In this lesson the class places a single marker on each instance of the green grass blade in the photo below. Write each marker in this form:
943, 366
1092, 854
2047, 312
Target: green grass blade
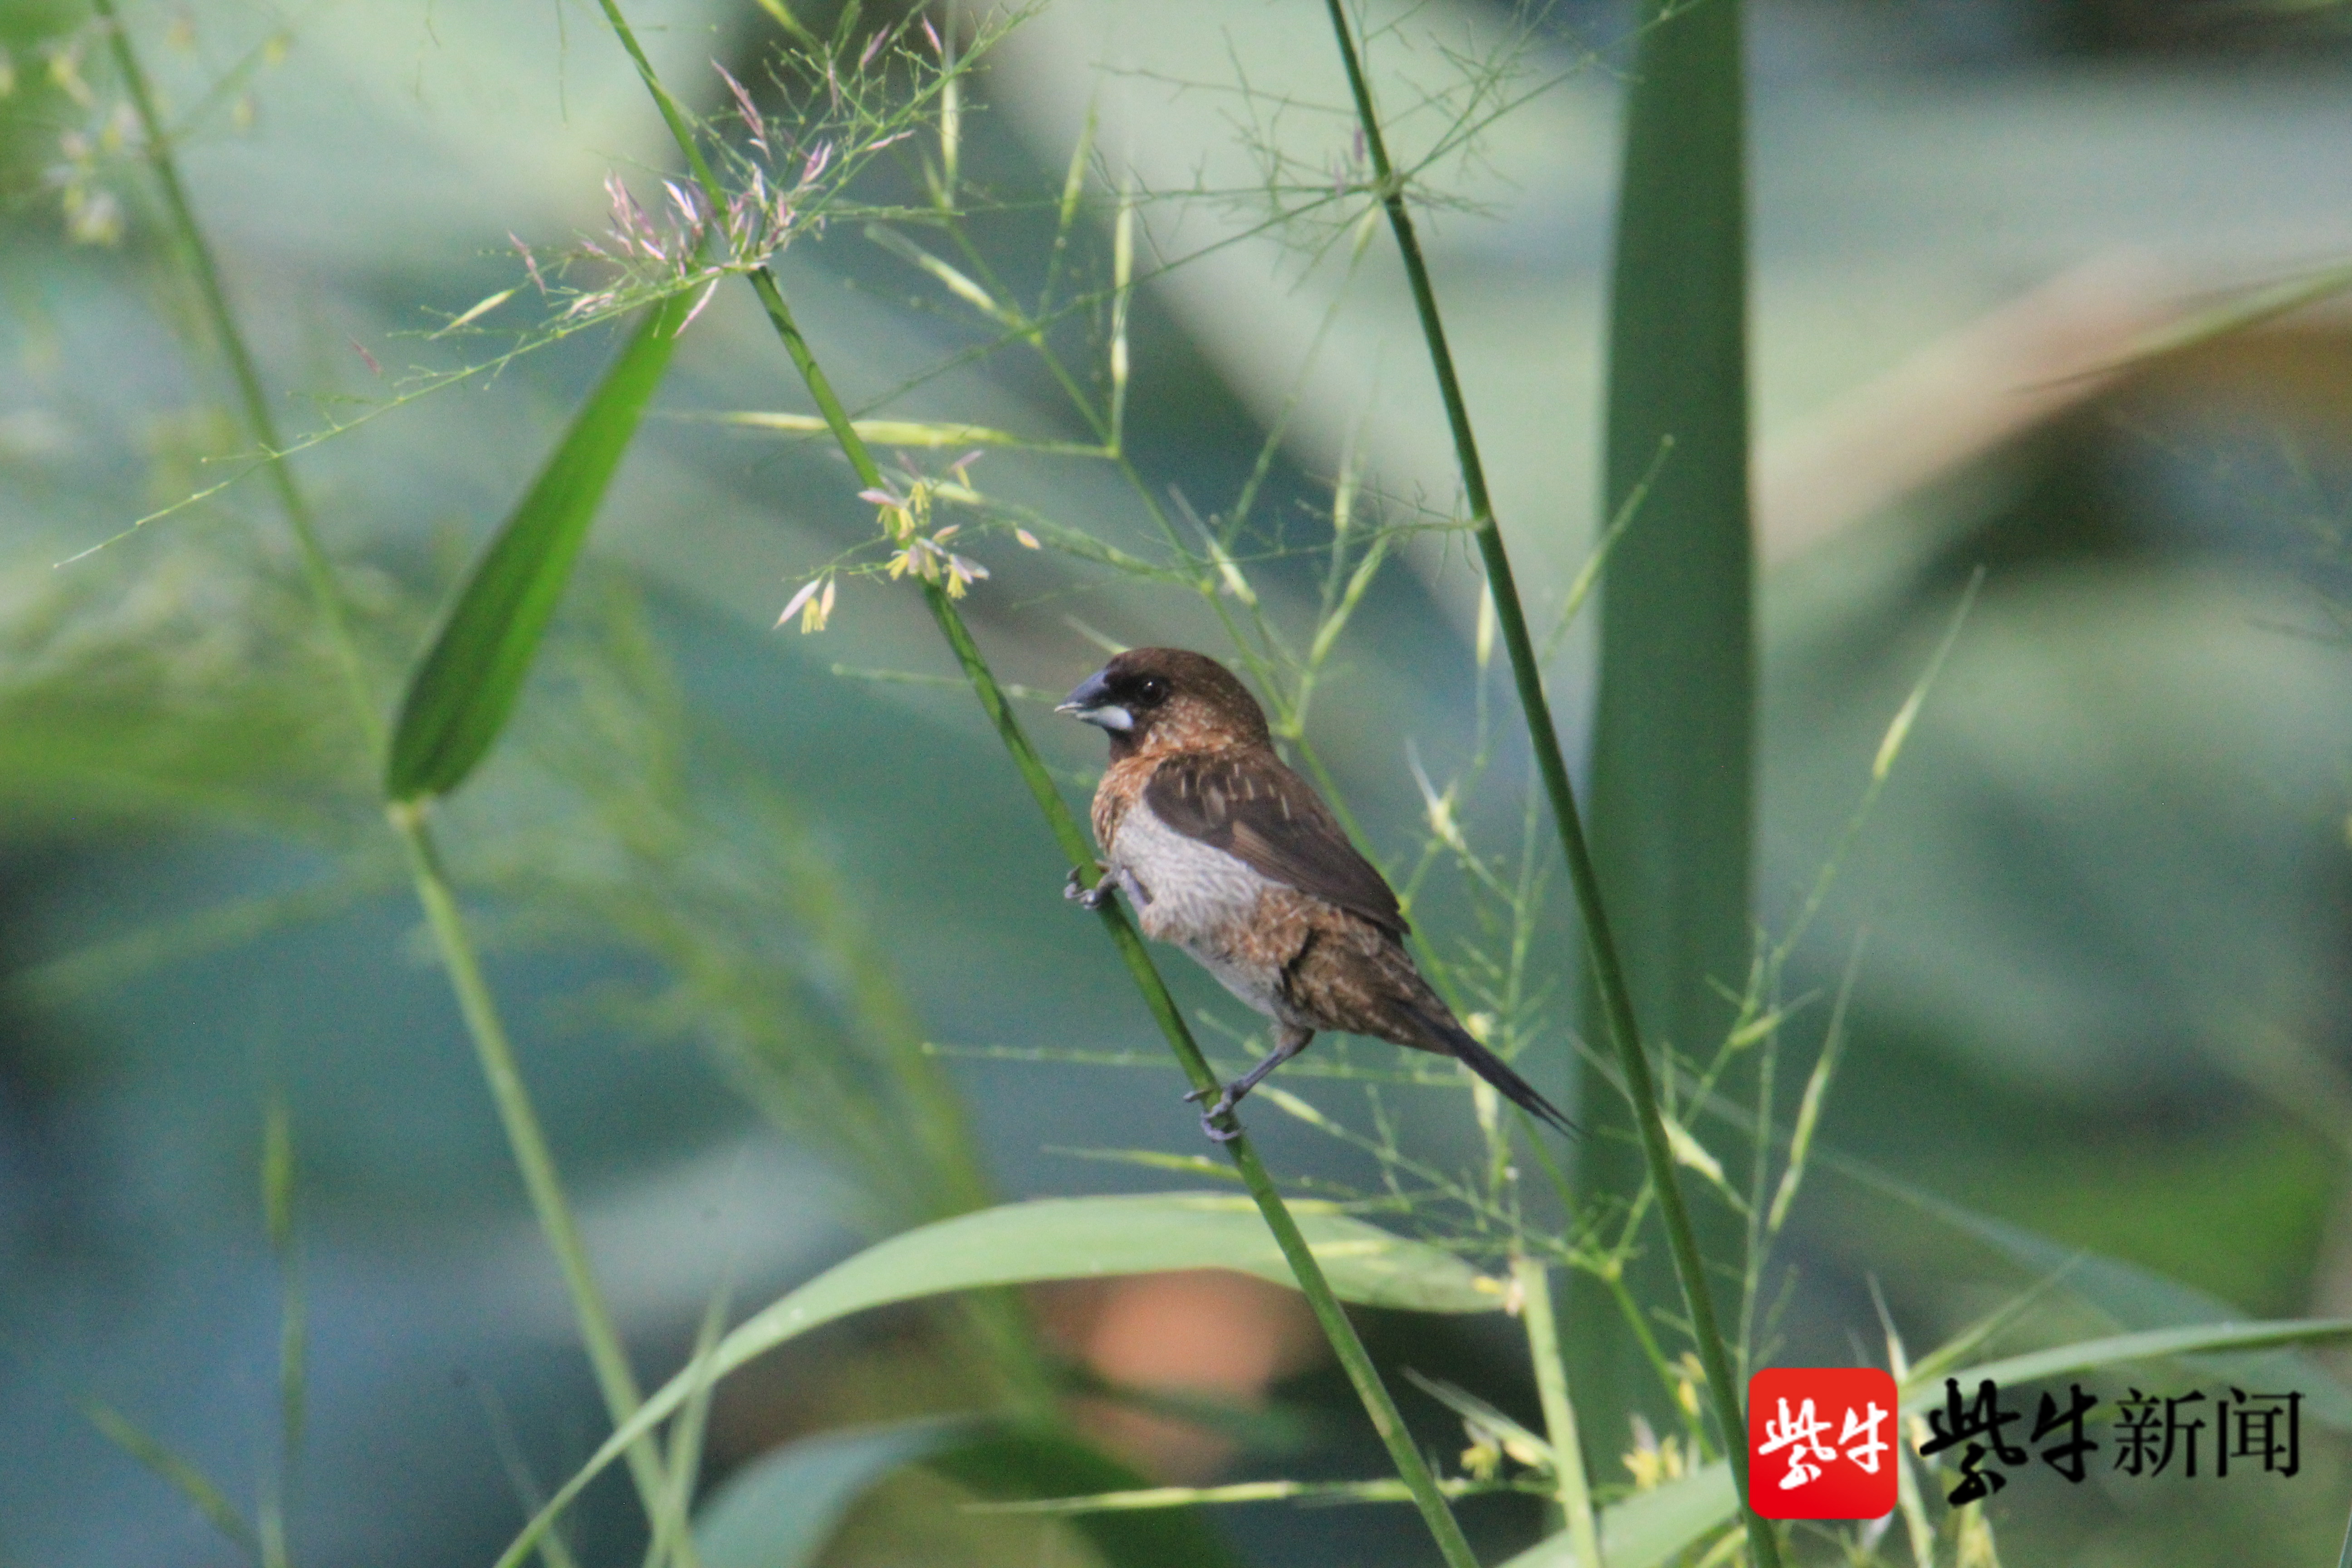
672, 1545
1673, 772
1065, 1238
1672, 785
176, 1473
465, 686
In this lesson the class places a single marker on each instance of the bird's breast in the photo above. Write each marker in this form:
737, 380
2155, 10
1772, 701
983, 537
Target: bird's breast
1193, 892
1242, 926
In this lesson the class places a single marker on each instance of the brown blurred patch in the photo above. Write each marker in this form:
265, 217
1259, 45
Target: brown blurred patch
1208, 1334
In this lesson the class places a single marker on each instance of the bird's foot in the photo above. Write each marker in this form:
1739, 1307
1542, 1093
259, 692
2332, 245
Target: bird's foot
1218, 1121
1085, 897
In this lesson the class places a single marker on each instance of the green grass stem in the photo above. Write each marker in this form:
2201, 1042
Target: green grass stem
1574, 1494
454, 942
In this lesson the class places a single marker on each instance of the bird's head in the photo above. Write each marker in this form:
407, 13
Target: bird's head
1167, 699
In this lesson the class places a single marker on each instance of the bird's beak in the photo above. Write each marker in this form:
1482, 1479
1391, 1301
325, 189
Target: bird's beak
1090, 703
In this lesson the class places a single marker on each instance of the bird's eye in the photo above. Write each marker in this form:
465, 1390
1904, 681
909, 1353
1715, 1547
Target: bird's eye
1154, 688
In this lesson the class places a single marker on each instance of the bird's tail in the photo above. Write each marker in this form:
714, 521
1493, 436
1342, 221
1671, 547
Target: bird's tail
1451, 1037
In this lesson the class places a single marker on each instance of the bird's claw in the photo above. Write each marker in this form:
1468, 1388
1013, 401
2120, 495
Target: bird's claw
1085, 897
1220, 1113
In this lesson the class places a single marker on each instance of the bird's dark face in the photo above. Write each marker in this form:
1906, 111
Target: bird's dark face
1167, 699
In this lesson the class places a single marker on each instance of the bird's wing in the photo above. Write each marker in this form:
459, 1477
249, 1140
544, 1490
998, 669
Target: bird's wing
1263, 814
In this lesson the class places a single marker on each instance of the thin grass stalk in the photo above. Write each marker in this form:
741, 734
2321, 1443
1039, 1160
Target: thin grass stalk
193, 1484
1574, 1495
1346, 1344
687, 1436
270, 1528
1690, 1269
455, 944
1908, 1501
476, 1001
1759, 1233
293, 1335
278, 1224
1242, 1492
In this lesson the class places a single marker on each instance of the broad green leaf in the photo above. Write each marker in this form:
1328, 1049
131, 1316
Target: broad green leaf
1672, 791
1073, 1238
1065, 1238
462, 692
1648, 1528
2156, 1345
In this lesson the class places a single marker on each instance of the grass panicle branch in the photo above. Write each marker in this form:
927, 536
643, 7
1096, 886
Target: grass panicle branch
196, 259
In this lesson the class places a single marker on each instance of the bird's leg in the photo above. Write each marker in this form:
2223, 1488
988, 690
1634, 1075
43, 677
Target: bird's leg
1091, 897
1288, 1041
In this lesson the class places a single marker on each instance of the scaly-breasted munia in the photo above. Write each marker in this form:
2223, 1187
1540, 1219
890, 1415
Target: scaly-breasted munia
1222, 849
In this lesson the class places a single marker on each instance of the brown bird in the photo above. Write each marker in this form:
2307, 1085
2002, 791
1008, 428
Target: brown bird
1225, 851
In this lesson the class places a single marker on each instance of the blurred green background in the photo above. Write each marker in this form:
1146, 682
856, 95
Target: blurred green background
2108, 893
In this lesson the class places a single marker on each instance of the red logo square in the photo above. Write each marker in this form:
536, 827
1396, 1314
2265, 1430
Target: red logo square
1821, 1442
